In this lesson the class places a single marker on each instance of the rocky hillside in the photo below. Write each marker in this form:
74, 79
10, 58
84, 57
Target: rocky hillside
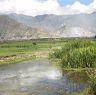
80, 25
18, 27
12, 30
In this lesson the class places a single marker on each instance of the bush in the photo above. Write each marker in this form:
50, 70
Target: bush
34, 43
56, 54
77, 53
82, 57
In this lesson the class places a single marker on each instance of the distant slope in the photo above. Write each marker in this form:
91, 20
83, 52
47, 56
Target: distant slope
81, 25
70, 31
12, 30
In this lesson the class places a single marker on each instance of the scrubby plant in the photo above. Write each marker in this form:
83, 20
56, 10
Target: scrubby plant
82, 57
77, 53
56, 54
34, 43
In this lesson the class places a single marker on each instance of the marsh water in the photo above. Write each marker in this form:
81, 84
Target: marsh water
36, 77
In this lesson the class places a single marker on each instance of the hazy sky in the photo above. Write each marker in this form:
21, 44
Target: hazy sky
39, 7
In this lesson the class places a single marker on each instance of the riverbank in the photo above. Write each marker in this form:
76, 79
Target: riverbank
12, 59
76, 57
17, 51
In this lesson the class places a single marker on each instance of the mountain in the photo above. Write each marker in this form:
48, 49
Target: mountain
11, 29
80, 25
18, 27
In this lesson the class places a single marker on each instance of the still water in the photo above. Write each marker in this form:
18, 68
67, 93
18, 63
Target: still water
36, 77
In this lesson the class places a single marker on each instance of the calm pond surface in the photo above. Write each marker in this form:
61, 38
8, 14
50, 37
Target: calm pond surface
36, 77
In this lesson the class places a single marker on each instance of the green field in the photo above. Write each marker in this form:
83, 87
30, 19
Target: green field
65, 50
16, 51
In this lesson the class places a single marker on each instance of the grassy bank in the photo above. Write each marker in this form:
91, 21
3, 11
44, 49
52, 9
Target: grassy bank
91, 79
69, 55
78, 55
85, 92
15, 51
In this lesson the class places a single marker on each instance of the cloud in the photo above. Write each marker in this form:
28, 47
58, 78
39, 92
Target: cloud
39, 7
77, 7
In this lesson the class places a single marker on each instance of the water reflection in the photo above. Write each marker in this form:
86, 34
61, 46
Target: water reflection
53, 74
36, 77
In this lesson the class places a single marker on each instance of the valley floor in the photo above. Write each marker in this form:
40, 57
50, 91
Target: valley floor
17, 51
12, 52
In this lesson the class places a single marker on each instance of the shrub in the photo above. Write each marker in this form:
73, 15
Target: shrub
55, 54
77, 53
82, 57
34, 43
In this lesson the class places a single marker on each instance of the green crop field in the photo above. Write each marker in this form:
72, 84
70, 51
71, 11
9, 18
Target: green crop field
16, 51
67, 50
